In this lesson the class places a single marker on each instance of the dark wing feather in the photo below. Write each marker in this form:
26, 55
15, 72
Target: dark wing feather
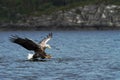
45, 40
25, 42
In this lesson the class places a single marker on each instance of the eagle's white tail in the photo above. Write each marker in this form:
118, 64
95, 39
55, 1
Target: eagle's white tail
30, 56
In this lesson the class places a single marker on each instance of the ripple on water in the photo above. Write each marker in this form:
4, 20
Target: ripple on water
77, 55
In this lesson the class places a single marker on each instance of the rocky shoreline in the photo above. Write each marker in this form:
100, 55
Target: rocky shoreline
90, 17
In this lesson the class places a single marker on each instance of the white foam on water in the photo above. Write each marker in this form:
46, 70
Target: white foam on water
30, 56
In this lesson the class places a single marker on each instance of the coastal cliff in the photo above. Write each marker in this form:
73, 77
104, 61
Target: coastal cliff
100, 17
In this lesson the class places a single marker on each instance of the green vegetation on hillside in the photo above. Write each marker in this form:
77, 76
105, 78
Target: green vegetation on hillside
18, 9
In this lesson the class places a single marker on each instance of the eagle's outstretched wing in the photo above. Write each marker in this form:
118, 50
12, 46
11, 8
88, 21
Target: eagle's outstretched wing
45, 40
24, 42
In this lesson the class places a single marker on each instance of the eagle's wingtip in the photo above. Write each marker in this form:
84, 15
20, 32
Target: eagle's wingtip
12, 38
50, 34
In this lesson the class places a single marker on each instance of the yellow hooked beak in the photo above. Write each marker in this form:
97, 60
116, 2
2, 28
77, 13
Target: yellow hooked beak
49, 47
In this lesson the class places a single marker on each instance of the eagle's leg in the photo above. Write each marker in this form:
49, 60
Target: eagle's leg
48, 56
37, 55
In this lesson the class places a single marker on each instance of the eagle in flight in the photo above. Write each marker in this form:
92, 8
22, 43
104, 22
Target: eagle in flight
39, 48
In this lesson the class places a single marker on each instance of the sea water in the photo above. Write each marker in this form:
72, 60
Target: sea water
76, 55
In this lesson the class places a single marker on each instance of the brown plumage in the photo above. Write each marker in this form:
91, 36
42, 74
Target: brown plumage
39, 49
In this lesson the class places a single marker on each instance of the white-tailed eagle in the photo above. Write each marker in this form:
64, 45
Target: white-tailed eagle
39, 48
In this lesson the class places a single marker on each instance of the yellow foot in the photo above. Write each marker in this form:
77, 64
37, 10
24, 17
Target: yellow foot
48, 56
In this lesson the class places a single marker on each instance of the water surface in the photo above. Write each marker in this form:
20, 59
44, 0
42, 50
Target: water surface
77, 55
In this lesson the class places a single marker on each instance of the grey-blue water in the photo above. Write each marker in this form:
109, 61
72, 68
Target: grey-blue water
77, 55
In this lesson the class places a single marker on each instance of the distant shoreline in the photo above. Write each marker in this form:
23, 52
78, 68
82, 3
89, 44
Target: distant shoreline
56, 28
88, 17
